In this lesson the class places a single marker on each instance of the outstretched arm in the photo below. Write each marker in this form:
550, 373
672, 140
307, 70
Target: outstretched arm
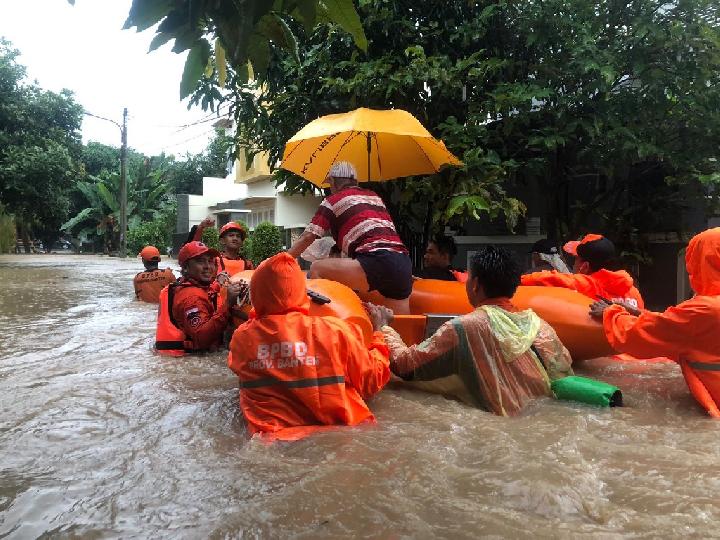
302, 243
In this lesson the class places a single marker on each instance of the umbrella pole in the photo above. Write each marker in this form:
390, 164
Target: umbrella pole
369, 146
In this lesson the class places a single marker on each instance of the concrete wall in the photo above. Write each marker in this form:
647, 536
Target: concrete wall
264, 187
294, 211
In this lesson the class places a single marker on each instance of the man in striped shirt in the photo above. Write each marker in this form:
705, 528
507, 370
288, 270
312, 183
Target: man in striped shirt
363, 229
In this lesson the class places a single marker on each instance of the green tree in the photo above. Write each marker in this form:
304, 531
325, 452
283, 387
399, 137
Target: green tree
39, 150
7, 232
98, 157
242, 32
99, 218
185, 175
266, 241
157, 232
211, 238
610, 109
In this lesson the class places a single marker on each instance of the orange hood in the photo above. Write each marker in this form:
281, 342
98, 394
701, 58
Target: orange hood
614, 283
702, 260
278, 286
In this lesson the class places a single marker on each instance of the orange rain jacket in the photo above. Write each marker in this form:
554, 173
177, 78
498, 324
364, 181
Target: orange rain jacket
616, 286
149, 284
299, 373
686, 333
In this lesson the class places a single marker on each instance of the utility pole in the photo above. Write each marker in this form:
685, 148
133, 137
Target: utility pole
123, 188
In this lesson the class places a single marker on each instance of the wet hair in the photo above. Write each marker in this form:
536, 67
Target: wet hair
497, 271
445, 245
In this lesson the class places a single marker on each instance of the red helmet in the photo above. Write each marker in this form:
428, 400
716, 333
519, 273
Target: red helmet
194, 249
149, 253
232, 226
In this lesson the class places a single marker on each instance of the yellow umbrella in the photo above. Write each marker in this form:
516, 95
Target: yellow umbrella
382, 145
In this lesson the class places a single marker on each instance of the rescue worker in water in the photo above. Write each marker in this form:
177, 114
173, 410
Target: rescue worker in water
300, 374
686, 333
232, 237
149, 283
591, 275
189, 318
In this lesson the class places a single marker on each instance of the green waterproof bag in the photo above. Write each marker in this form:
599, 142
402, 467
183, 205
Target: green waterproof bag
588, 391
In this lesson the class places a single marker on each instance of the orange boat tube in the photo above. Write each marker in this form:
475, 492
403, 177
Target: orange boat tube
565, 310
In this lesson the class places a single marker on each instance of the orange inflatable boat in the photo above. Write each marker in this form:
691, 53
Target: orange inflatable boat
565, 310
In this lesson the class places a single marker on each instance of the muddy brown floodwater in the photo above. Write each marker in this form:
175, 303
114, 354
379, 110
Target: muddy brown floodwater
99, 437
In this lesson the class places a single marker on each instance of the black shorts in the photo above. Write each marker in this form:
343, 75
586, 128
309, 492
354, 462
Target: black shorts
388, 272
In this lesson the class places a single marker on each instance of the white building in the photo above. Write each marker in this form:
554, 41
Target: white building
248, 195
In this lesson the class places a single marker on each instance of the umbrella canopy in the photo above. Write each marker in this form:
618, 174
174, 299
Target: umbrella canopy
383, 145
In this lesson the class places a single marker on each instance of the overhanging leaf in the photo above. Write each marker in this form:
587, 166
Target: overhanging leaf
259, 55
194, 66
159, 40
343, 13
145, 13
220, 62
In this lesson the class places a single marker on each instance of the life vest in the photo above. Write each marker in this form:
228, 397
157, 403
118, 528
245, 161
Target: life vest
169, 337
232, 266
148, 284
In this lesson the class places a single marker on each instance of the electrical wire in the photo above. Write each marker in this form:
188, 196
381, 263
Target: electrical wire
87, 113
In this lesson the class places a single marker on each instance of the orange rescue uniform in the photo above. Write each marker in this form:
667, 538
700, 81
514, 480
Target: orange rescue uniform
232, 266
149, 284
195, 312
686, 333
616, 286
298, 373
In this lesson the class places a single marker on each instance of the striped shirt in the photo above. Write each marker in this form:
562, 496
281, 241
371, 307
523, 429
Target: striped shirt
358, 221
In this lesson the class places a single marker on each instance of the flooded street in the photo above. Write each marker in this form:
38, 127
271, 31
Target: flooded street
101, 438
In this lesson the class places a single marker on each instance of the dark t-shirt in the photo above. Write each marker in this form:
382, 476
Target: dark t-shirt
435, 272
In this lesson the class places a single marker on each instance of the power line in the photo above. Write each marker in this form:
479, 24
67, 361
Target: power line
173, 145
216, 115
209, 118
87, 113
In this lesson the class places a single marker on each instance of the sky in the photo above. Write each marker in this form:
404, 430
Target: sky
84, 49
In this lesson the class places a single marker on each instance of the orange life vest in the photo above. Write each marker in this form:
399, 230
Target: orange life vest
232, 266
169, 337
148, 284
